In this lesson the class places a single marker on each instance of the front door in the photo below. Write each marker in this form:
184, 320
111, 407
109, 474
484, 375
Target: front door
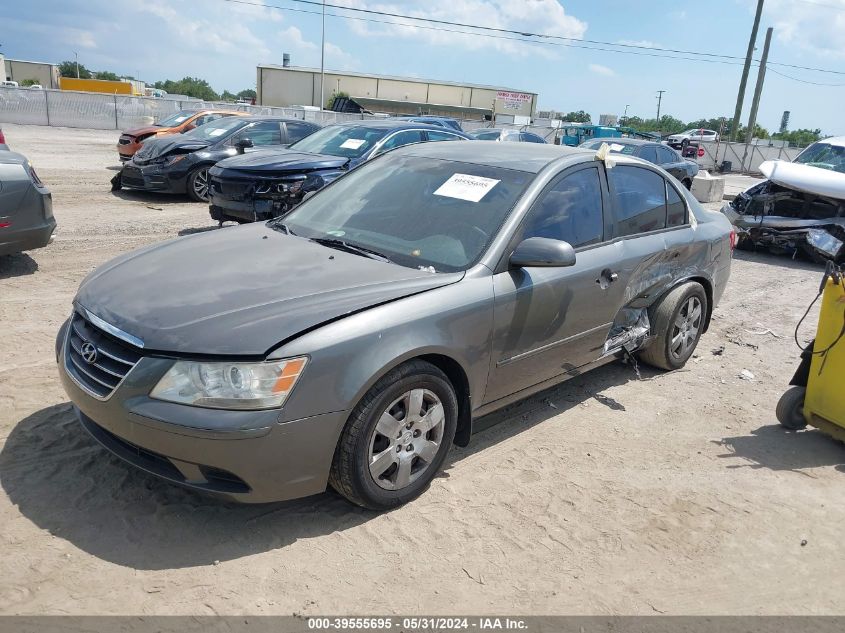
550, 321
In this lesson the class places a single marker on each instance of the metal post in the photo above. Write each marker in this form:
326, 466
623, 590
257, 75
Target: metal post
758, 89
116, 126
742, 82
323, 60
76, 57
659, 100
47, 106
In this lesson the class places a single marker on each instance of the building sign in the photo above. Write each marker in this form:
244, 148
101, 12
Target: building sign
513, 100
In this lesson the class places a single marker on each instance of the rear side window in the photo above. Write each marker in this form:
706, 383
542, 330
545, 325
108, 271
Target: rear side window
399, 139
676, 210
436, 135
639, 200
667, 155
263, 133
527, 137
570, 210
298, 131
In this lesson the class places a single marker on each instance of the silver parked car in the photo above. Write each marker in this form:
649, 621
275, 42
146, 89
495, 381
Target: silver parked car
26, 206
506, 135
359, 336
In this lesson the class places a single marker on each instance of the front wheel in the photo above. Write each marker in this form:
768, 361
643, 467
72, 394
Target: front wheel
790, 409
198, 184
678, 322
396, 438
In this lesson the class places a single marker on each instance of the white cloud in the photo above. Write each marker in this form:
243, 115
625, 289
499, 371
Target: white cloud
808, 27
546, 17
601, 70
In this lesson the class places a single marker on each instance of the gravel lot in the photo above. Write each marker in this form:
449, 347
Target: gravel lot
671, 493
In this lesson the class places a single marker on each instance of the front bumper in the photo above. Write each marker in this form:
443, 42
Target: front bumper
153, 178
245, 456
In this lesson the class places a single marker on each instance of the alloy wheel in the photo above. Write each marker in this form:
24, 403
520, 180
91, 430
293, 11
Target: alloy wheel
406, 439
686, 327
200, 184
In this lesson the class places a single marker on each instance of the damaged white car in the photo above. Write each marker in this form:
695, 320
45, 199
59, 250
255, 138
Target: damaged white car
800, 208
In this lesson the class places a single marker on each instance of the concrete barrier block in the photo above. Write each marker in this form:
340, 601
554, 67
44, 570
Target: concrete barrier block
706, 188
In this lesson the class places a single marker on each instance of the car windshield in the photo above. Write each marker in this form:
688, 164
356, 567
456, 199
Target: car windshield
418, 212
825, 156
348, 141
216, 130
487, 136
176, 119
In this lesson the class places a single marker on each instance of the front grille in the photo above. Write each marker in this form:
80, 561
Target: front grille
233, 189
132, 177
111, 362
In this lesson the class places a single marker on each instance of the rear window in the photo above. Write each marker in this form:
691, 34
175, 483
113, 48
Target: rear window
639, 200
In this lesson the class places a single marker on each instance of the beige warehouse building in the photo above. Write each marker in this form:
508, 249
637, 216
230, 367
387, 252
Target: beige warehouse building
47, 75
289, 86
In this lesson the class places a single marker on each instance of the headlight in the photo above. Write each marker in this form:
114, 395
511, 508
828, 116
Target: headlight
264, 385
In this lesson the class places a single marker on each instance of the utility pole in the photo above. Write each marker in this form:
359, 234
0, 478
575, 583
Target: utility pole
742, 82
758, 89
76, 57
323, 60
659, 100
627, 105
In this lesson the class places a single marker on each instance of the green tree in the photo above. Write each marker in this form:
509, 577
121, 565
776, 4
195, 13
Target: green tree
576, 117
228, 96
68, 69
249, 93
190, 86
799, 138
107, 75
759, 132
26, 83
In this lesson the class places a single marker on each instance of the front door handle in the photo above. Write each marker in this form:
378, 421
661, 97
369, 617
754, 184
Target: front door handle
606, 278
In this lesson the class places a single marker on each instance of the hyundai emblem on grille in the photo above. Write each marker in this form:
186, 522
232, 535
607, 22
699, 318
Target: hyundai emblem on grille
89, 353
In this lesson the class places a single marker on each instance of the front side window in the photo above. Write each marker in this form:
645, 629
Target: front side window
418, 212
639, 200
570, 210
298, 131
261, 133
436, 135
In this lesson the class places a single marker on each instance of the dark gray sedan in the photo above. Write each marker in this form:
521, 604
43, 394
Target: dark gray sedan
432, 285
681, 168
26, 206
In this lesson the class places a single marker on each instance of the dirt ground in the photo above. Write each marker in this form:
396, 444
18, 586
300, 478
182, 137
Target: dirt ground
672, 493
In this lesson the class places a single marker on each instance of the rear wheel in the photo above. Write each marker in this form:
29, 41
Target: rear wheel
198, 184
678, 321
396, 438
790, 409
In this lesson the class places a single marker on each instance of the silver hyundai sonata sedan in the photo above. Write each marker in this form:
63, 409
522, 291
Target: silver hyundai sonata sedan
351, 342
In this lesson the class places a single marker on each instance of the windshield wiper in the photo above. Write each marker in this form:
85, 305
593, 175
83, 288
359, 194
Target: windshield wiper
280, 226
350, 248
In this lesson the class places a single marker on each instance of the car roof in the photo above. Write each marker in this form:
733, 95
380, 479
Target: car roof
423, 117
285, 119
530, 157
833, 140
624, 141
390, 124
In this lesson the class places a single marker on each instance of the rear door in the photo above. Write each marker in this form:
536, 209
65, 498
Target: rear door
295, 131
550, 321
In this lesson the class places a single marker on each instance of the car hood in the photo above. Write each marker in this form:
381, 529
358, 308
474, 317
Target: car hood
281, 160
173, 143
150, 129
240, 291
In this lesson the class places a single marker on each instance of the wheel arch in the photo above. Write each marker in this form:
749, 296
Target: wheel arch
705, 283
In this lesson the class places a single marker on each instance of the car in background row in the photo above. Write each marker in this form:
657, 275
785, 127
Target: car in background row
180, 163
683, 139
441, 121
3, 145
426, 288
497, 134
26, 206
681, 168
267, 184
184, 121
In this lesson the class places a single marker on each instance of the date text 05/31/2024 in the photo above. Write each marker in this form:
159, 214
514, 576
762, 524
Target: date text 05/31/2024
416, 623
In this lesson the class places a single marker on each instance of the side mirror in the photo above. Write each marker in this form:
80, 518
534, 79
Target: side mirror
542, 252
243, 144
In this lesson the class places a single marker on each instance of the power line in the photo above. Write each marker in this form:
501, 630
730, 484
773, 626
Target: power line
718, 58
804, 81
824, 4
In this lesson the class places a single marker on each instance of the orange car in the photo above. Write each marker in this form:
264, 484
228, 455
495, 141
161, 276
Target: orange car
182, 121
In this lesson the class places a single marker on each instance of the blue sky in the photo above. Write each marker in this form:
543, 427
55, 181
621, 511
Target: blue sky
223, 42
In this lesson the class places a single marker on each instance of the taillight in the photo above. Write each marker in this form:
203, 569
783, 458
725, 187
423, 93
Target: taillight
35, 179
2, 138
700, 152
733, 240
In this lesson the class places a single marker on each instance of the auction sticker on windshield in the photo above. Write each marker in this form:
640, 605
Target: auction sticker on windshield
353, 143
217, 131
466, 187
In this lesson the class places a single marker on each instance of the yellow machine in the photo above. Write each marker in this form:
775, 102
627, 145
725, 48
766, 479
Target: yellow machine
817, 396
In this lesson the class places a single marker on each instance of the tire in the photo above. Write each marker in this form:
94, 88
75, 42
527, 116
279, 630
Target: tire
790, 409
682, 312
685, 143
377, 433
198, 184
